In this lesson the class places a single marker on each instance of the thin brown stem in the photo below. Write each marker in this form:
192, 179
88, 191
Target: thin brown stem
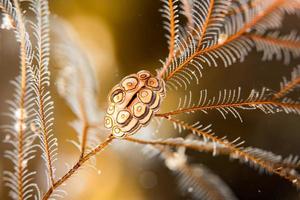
210, 107
196, 145
288, 87
205, 147
21, 121
46, 141
206, 23
172, 38
75, 167
85, 130
275, 41
43, 32
83, 118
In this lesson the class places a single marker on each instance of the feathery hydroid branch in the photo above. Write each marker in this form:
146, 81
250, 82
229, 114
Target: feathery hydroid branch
239, 33
255, 104
239, 152
289, 162
171, 14
288, 86
44, 100
21, 34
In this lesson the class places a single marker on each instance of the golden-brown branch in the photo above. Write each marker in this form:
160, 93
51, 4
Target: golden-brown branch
206, 23
275, 41
287, 88
197, 145
43, 35
75, 167
228, 105
23, 68
172, 40
84, 119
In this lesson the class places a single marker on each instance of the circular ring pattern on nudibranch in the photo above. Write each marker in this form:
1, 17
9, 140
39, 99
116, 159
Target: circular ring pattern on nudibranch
153, 83
133, 102
123, 117
130, 83
146, 96
117, 96
117, 132
108, 122
111, 109
140, 110
143, 74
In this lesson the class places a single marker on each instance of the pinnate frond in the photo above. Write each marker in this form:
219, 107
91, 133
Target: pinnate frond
211, 28
21, 138
44, 114
290, 162
231, 101
273, 45
225, 45
196, 180
202, 183
20, 179
275, 19
207, 146
239, 152
288, 86
170, 13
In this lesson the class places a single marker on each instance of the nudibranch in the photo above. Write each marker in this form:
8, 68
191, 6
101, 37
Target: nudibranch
133, 102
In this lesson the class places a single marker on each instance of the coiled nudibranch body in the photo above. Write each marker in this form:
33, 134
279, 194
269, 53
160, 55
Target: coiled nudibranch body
133, 102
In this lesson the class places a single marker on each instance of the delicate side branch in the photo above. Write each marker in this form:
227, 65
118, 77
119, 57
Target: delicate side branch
170, 12
290, 175
44, 101
230, 102
253, 104
196, 145
275, 41
291, 162
288, 86
75, 168
23, 101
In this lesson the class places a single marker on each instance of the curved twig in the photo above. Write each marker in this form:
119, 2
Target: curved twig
211, 107
75, 167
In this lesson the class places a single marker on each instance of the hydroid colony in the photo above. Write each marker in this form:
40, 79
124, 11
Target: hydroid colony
214, 33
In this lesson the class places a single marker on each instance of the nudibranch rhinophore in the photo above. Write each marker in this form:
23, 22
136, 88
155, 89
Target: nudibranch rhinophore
133, 102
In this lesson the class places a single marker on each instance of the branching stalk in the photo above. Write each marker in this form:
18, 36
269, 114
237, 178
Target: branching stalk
75, 168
